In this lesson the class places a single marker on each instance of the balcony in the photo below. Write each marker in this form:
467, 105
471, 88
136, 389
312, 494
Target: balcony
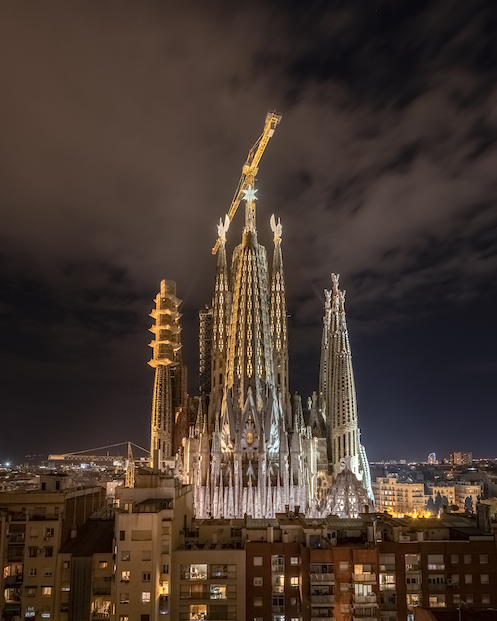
215, 616
413, 587
365, 599
36, 517
322, 578
322, 599
13, 580
369, 578
437, 588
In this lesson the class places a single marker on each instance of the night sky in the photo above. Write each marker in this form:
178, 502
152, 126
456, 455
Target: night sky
124, 127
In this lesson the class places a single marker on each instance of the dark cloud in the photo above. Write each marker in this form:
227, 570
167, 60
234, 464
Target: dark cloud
124, 128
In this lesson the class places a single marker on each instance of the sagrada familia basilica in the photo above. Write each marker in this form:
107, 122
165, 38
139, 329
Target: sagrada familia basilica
246, 445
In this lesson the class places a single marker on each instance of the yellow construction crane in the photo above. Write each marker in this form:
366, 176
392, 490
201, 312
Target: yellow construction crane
251, 166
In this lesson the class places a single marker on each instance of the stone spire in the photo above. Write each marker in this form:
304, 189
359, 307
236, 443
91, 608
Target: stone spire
279, 332
169, 397
220, 320
337, 387
250, 355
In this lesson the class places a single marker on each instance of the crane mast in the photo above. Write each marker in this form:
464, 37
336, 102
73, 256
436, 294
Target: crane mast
251, 166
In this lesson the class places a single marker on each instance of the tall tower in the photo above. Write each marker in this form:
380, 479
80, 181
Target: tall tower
169, 396
279, 331
220, 321
337, 390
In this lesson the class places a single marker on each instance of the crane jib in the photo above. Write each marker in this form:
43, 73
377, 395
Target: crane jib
250, 168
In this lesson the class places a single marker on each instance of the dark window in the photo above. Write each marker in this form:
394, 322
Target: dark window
33, 551
144, 617
43, 486
49, 551
57, 484
122, 535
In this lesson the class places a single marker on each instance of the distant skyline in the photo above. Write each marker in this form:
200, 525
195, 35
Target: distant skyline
124, 129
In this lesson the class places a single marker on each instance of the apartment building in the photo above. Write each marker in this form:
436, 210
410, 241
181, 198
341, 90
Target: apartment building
147, 529
398, 497
435, 563
465, 490
85, 571
208, 572
34, 525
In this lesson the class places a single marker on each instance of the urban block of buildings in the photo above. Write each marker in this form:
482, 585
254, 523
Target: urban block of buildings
255, 505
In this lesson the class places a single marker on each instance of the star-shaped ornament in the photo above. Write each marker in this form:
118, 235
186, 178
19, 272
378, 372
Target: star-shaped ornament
249, 194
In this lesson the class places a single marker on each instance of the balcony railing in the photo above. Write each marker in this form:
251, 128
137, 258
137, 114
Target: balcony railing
323, 578
413, 587
365, 578
365, 599
322, 599
437, 588
214, 616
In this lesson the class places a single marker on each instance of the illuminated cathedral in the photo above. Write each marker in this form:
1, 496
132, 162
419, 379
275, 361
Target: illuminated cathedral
250, 448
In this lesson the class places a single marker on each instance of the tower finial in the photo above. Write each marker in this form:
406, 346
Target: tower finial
250, 198
276, 228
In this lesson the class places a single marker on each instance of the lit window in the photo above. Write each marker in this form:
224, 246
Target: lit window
125, 576
343, 566
294, 581
196, 571
145, 598
65, 565
436, 562
46, 591
102, 564
124, 598
30, 591
123, 618
218, 591
294, 560
198, 611
125, 555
